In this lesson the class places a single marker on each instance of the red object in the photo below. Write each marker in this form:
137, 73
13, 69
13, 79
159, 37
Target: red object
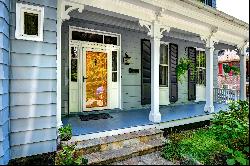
220, 69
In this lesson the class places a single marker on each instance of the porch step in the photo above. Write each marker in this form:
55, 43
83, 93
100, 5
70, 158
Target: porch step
120, 147
127, 152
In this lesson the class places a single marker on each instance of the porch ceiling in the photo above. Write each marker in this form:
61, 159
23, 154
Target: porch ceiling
186, 15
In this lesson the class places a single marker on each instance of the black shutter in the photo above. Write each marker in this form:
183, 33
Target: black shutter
146, 72
192, 74
173, 88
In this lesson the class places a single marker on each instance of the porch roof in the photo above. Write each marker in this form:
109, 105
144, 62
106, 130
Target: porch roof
138, 117
185, 15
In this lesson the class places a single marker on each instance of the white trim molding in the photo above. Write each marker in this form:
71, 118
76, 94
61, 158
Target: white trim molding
25, 8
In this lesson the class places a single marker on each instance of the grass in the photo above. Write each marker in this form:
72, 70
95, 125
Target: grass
199, 145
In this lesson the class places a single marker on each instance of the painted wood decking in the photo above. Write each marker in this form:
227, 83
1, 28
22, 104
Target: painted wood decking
138, 117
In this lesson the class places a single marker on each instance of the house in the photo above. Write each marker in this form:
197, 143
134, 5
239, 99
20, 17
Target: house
231, 80
63, 57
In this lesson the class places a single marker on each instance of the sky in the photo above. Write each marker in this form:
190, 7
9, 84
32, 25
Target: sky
236, 8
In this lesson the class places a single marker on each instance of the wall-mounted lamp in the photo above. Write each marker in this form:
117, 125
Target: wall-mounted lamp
126, 59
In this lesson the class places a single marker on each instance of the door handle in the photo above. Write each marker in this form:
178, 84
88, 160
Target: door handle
83, 78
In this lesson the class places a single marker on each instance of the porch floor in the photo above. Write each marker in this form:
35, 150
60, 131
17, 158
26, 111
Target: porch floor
137, 117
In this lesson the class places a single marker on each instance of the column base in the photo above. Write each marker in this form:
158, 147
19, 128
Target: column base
209, 109
155, 117
59, 124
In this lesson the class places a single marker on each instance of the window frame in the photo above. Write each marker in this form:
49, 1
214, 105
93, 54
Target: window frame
198, 68
20, 10
165, 65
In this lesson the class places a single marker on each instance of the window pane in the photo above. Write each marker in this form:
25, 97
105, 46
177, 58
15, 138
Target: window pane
74, 70
30, 24
164, 54
74, 52
74, 65
163, 75
82, 36
114, 77
114, 60
110, 40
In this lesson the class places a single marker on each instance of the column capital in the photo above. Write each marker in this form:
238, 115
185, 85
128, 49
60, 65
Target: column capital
155, 28
210, 39
242, 47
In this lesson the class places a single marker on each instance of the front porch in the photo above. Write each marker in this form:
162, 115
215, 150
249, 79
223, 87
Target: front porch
138, 118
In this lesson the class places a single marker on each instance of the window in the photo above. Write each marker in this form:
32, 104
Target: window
29, 22
164, 65
74, 64
201, 67
95, 38
114, 66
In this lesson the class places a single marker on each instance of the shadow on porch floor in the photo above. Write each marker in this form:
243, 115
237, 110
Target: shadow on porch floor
137, 117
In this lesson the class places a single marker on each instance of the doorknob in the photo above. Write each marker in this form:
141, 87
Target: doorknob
83, 78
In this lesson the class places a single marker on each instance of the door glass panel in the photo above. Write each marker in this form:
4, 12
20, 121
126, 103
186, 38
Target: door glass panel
96, 83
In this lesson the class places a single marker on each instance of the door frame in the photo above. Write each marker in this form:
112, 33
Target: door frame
98, 47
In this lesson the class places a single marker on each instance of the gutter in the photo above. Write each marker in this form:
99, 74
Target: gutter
216, 12
204, 7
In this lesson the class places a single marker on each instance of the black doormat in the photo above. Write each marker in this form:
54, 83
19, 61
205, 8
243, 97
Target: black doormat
95, 117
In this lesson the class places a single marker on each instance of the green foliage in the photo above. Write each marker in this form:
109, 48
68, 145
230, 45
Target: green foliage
228, 69
68, 156
200, 145
171, 151
65, 133
237, 157
183, 66
225, 141
232, 127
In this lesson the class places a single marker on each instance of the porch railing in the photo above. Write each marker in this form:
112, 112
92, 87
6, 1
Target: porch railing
226, 95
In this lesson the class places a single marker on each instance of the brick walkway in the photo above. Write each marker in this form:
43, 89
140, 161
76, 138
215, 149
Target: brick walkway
149, 159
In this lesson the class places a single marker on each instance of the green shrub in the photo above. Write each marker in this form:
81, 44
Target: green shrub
232, 127
65, 133
68, 156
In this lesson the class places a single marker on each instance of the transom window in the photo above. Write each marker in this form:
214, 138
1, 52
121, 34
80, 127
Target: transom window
164, 54
95, 38
29, 22
201, 67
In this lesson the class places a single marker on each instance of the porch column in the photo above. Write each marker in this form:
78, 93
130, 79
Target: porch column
58, 62
155, 115
63, 9
155, 32
243, 61
209, 107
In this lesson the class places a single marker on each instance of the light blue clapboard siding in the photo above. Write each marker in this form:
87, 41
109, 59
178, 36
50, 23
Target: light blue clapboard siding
30, 73
4, 81
20, 99
33, 136
19, 86
33, 111
33, 86
31, 60
33, 148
